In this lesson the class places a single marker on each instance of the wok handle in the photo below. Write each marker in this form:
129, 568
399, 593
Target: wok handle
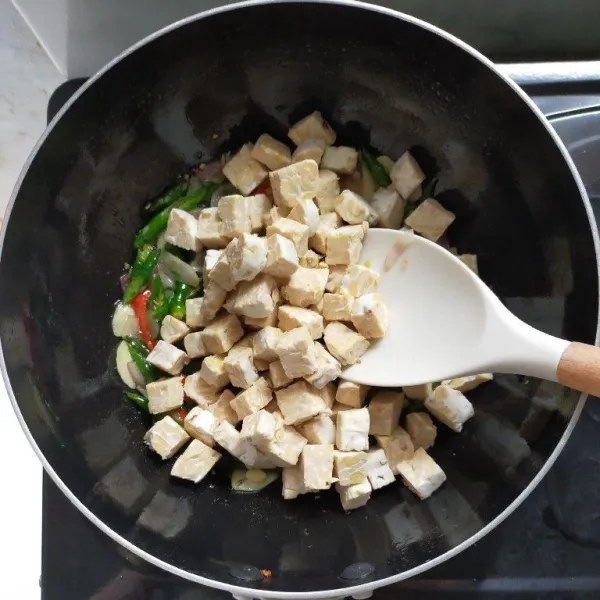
579, 368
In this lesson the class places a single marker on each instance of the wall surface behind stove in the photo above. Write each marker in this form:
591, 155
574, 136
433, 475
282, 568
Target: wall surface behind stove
82, 35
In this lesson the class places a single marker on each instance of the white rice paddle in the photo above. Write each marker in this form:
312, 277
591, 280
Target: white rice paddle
445, 322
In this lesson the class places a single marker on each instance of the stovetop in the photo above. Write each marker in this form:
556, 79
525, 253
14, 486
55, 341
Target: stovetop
548, 549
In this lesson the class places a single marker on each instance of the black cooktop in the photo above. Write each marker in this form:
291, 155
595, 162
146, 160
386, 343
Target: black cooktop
548, 549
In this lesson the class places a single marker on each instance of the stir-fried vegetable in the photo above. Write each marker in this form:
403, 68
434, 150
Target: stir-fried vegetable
159, 300
139, 358
179, 270
140, 307
158, 223
252, 480
377, 170
138, 399
145, 261
170, 196
181, 293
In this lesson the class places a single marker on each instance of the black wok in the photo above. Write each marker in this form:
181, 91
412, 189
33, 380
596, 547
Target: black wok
380, 78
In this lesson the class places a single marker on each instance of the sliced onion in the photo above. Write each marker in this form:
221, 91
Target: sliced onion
124, 281
136, 375
178, 269
166, 279
252, 480
123, 362
124, 322
161, 240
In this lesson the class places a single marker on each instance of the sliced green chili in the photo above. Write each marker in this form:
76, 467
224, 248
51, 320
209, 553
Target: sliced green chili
377, 170
199, 198
139, 400
145, 261
148, 372
170, 196
177, 303
159, 300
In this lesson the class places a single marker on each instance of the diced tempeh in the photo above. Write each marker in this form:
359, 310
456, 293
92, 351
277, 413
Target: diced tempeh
265, 343
260, 427
293, 484
344, 343
166, 437
406, 175
417, 392
352, 429
384, 410
221, 273
240, 368
430, 219
196, 462
271, 152
300, 402
297, 233
164, 395
449, 406
336, 277
337, 307
278, 376
470, 260
318, 430
294, 183
227, 436
468, 383
247, 256
307, 213
328, 190
421, 429
282, 256
344, 245
291, 317
208, 231
256, 299
352, 394
234, 215
370, 316
306, 286
354, 496
286, 449
328, 394
311, 260
222, 408
212, 301
340, 159
350, 467
193, 345
173, 330
181, 230
358, 280
296, 351
168, 358
251, 400
312, 127
258, 207
199, 391
213, 372
354, 209
309, 150
327, 224
390, 206
257, 324
398, 447
378, 469
421, 474
316, 465
200, 424
328, 370
244, 172
220, 335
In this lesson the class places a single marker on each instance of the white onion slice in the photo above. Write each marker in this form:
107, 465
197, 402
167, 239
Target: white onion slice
178, 269
123, 362
124, 322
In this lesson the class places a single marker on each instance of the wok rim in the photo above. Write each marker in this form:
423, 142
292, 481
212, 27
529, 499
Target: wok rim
365, 588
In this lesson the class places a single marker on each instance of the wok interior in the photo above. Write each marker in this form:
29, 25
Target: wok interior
378, 80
